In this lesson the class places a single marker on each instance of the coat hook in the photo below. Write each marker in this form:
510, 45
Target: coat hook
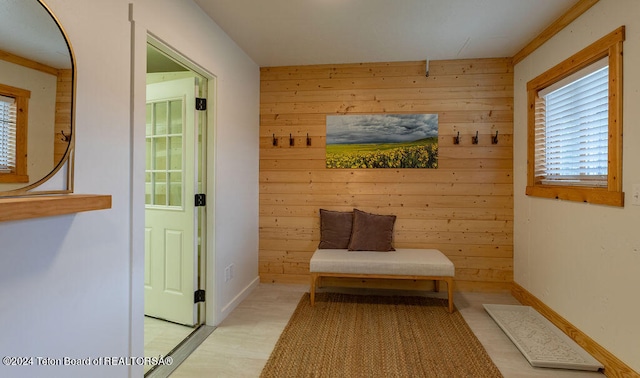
308, 140
290, 140
494, 140
474, 139
275, 140
65, 138
456, 139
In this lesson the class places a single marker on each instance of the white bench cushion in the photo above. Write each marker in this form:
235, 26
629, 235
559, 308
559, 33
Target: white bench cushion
404, 262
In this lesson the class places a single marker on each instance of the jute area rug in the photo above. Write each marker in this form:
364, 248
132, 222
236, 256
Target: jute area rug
377, 336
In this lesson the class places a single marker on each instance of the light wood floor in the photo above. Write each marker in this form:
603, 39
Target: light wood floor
241, 345
160, 337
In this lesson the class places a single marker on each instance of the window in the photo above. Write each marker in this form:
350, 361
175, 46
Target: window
13, 134
7, 134
572, 127
575, 126
165, 159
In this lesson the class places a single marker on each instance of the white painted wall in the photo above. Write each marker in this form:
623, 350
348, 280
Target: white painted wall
42, 111
71, 286
584, 260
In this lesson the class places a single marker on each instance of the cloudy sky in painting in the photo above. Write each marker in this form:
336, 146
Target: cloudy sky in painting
380, 128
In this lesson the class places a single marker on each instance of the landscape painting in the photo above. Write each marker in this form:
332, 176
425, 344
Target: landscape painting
382, 141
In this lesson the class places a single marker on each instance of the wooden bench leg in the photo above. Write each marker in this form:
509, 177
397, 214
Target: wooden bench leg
450, 292
436, 285
312, 289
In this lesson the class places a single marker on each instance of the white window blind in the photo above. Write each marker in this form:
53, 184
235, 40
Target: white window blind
7, 134
572, 123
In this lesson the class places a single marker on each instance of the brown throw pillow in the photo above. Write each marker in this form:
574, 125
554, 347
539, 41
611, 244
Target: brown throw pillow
372, 232
335, 229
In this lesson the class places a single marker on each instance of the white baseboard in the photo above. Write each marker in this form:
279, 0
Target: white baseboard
226, 310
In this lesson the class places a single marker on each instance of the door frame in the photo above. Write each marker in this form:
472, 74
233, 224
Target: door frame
207, 264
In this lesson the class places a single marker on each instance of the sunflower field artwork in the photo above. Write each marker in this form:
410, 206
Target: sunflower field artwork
382, 141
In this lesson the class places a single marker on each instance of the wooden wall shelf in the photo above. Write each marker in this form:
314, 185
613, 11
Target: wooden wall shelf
15, 208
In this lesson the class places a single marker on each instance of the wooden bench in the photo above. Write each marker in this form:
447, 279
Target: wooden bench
409, 264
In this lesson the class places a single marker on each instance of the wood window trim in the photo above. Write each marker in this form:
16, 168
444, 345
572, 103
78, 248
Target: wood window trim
608, 46
22, 103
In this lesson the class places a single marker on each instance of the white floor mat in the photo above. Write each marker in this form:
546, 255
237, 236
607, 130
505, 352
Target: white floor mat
541, 342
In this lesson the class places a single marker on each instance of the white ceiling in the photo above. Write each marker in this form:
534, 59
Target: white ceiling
27, 30
303, 32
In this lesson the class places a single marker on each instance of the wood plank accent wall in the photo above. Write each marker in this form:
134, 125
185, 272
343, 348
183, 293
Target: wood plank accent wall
464, 208
64, 100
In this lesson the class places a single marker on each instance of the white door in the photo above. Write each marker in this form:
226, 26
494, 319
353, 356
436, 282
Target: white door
170, 216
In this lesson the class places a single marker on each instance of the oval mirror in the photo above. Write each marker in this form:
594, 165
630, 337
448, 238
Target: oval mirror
37, 84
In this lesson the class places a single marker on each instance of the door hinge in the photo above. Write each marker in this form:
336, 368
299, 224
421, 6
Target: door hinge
201, 199
201, 103
198, 296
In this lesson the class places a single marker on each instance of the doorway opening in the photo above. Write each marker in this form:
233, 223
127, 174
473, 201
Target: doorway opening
175, 201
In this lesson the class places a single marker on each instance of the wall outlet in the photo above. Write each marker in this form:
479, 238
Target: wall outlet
635, 195
228, 273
